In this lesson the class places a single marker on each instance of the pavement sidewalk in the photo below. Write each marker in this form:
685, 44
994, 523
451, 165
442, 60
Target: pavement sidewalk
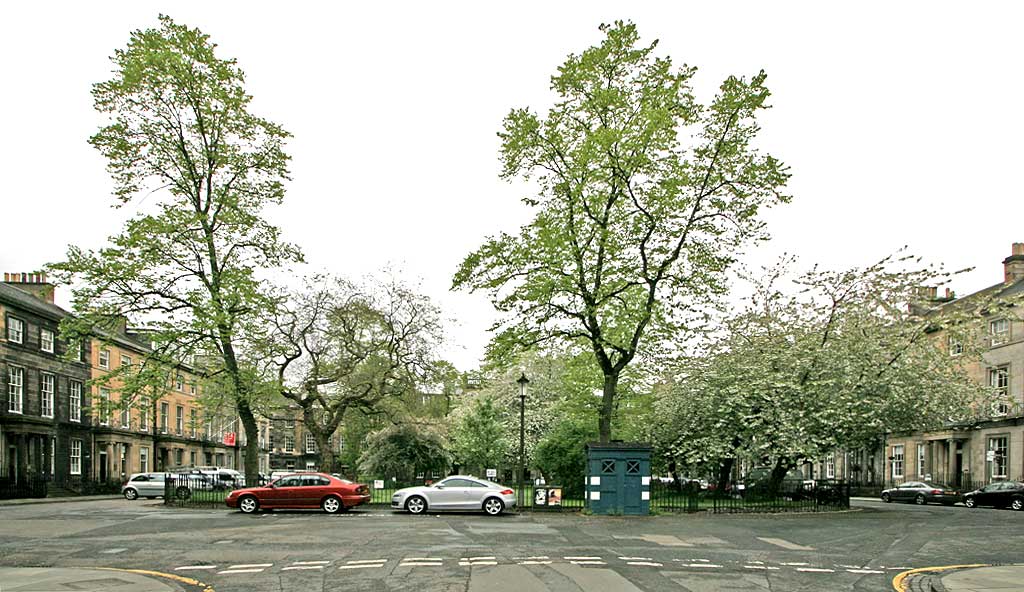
45, 579
998, 578
56, 500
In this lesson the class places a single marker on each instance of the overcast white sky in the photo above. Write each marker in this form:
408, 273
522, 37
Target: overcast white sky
901, 123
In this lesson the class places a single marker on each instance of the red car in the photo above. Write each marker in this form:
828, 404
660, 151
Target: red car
308, 490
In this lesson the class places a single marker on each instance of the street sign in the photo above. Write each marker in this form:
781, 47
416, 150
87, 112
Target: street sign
492, 473
378, 484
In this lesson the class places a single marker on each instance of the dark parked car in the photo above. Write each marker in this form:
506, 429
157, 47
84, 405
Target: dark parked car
306, 490
999, 495
921, 493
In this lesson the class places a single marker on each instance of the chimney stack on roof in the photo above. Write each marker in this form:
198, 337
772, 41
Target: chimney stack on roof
33, 283
1013, 266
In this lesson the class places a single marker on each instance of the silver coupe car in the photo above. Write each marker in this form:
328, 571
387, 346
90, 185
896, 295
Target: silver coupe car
458, 492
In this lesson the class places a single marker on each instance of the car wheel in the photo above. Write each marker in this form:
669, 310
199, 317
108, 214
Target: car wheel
416, 505
248, 504
332, 505
920, 500
493, 506
183, 492
886, 498
970, 503
1017, 503
130, 494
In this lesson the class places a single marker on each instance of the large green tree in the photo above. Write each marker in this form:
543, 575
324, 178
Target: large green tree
644, 198
478, 437
182, 144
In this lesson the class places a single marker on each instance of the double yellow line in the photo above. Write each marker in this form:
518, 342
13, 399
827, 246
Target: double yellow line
160, 574
897, 582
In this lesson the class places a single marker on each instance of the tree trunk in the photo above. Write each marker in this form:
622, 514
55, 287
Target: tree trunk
323, 446
604, 422
673, 470
251, 454
724, 474
782, 466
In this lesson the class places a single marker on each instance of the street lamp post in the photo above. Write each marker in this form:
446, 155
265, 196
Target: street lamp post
523, 381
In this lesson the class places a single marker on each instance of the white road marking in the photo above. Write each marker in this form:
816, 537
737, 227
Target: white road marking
357, 561
248, 565
756, 562
422, 559
295, 567
816, 570
112, 551
481, 559
534, 562
645, 563
636, 558
588, 562
761, 567
420, 564
865, 571
184, 567
785, 544
532, 557
712, 565
239, 571
582, 558
473, 563
360, 566
794, 563
227, 542
310, 562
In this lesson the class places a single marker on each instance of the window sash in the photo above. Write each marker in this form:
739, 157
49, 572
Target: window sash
105, 359
75, 456
15, 389
999, 444
179, 422
15, 330
75, 402
310, 443
897, 461
104, 407
47, 387
1000, 331
46, 340
165, 411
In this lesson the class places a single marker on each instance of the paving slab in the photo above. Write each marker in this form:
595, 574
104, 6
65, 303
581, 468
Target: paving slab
999, 578
52, 579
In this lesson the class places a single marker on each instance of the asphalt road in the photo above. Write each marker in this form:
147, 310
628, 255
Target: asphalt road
376, 549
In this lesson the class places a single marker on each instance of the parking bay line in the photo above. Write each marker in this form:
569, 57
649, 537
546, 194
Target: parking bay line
248, 565
361, 566
239, 571
645, 563
310, 562
816, 570
298, 567
359, 561
187, 567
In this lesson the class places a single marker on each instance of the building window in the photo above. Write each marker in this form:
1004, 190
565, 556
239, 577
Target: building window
193, 420
15, 389
830, 467
341, 444
289, 443
897, 461
999, 381
79, 348
165, 411
310, 465
144, 417
75, 402
956, 347
46, 387
126, 415
192, 458
997, 454
310, 444
179, 456
179, 384
15, 330
75, 455
104, 407
126, 361
144, 459
46, 340
999, 330
920, 461
179, 420
193, 389
105, 359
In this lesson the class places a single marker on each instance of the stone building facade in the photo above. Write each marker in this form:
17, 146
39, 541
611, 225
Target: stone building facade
988, 445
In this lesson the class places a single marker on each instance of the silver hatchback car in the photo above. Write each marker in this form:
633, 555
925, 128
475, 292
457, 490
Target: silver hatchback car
148, 485
458, 492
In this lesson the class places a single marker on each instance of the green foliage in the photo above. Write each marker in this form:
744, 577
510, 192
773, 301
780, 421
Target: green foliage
479, 441
833, 364
180, 142
562, 458
403, 450
645, 198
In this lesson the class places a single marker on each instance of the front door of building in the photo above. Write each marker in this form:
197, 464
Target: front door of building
103, 466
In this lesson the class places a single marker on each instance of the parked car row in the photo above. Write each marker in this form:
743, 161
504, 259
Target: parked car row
1001, 494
